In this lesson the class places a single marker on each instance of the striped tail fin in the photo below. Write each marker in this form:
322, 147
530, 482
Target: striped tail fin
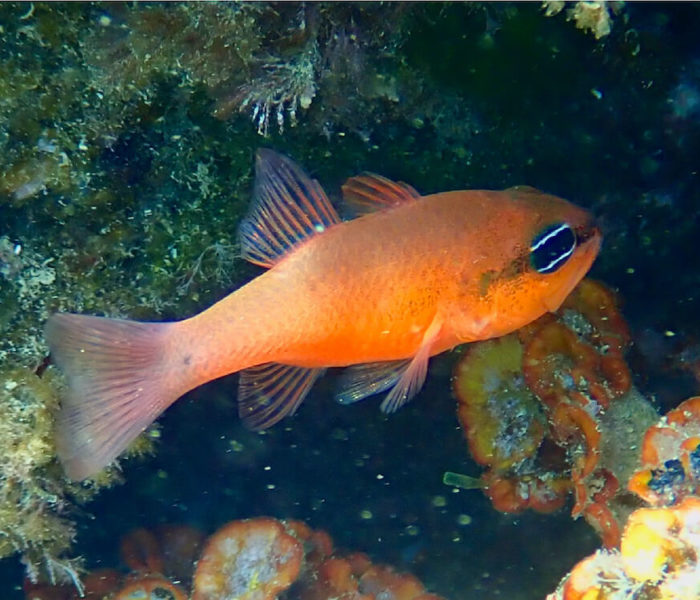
117, 386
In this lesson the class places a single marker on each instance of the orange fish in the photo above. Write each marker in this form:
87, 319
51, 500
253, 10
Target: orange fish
411, 277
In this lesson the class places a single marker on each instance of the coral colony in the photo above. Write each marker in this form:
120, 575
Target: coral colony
551, 411
126, 137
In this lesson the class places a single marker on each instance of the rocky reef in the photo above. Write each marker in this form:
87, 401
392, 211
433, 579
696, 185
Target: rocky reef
127, 136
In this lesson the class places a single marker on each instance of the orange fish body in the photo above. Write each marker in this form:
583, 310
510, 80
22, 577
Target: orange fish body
381, 294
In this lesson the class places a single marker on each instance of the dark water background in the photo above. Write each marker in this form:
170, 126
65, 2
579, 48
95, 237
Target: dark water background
613, 125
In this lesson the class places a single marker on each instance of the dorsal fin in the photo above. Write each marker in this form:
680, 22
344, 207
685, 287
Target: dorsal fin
369, 192
523, 189
288, 207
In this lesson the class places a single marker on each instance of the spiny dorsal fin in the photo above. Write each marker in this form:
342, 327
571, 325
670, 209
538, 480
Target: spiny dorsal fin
369, 192
288, 207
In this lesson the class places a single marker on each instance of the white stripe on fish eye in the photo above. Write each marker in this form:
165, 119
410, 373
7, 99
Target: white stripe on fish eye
550, 235
557, 260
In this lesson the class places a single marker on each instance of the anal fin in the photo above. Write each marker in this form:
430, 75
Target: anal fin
271, 391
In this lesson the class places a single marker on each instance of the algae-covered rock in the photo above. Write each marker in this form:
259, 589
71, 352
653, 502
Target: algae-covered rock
31, 488
128, 131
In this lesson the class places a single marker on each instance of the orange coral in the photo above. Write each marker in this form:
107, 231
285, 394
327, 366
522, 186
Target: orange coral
550, 385
101, 583
253, 559
543, 493
180, 546
141, 552
555, 360
601, 518
582, 350
670, 457
575, 365
598, 305
318, 545
571, 422
334, 578
658, 558
171, 550
500, 416
380, 581
504, 492
98, 584
44, 591
356, 578
588, 580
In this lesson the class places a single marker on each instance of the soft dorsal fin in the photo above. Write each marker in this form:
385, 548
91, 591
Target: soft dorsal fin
369, 192
288, 207
523, 189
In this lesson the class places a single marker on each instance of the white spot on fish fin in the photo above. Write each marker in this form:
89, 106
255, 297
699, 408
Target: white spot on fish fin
288, 207
359, 381
269, 392
412, 379
368, 193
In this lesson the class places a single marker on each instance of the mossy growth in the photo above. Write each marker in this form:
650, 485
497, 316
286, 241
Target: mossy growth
126, 151
32, 490
35, 497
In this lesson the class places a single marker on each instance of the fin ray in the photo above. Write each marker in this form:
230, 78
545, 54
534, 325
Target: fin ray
360, 381
408, 385
271, 391
369, 192
115, 386
289, 207
413, 377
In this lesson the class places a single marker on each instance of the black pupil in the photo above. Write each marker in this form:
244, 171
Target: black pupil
552, 247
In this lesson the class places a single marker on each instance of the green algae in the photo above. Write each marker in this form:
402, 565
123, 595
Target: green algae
127, 136
120, 192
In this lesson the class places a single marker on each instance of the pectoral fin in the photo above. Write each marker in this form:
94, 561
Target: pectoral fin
412, 379
404, 377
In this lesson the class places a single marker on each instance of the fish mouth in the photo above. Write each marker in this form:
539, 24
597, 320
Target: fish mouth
586, 232
588, 241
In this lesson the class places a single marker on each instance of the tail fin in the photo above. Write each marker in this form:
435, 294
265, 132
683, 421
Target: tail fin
117, 386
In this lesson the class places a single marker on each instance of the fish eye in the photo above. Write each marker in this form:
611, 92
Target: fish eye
552, 247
